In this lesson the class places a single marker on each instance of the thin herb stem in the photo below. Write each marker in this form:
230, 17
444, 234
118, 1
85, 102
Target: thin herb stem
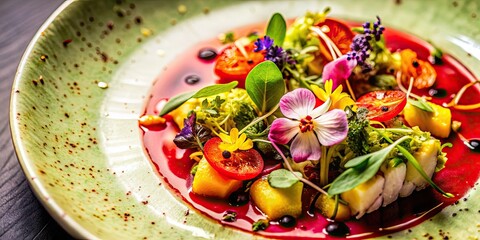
289, 167
324, 162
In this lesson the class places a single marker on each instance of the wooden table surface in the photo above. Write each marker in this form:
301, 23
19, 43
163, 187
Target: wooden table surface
21, 214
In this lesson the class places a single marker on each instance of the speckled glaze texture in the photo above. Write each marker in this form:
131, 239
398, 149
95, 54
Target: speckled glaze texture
86, 76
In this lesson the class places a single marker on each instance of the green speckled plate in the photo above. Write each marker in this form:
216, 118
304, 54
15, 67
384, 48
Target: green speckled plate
86, 76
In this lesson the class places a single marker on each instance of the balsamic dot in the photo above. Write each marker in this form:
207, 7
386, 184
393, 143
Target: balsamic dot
437, 92
192, 79
207, 54
287, 221
238, 198
384, 108
338, 229
474, 145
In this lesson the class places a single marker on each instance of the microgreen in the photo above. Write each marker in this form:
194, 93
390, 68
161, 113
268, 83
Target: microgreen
277, 29
421, 104
361, 169
192, 134
207, 91
283, 178
265, 85
230, 216
261, 224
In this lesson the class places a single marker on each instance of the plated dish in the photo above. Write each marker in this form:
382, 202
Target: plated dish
88, 74
275, 141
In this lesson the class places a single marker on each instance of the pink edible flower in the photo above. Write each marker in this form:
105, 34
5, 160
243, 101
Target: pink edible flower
338, 70
307, 127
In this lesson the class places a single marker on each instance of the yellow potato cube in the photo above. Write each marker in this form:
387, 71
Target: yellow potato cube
208, 182
277, 202
363, 197
437, 122
326, 205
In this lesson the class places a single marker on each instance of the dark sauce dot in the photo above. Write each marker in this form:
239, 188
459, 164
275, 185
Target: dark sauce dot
226, 154
338, 229
207, 54
435, 60
437, 92
192, 79
250, 61
474, 145
287, 221
384, 108
415, 64
238, 198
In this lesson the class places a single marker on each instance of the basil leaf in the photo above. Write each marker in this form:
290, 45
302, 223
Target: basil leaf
283, 178
421, 104
277, 29
265, 85
207, 91
355, 176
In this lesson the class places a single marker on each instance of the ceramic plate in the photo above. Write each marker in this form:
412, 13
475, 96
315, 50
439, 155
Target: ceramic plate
85, 79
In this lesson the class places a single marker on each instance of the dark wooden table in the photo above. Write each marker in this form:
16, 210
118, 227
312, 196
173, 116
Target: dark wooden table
21, 214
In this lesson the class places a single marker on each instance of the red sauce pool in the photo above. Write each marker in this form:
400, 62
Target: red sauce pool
460, 174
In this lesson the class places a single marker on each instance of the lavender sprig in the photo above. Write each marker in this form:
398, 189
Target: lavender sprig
362, 44
274, 53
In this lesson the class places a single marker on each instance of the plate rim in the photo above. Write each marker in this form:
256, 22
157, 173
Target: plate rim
53, 209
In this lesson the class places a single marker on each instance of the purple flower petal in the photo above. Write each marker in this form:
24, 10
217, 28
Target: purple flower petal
338, 70
297, 104
332, 127
283, 130
305, 146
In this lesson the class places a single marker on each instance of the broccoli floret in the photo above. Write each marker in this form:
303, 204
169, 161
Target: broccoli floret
245, 116
358, 136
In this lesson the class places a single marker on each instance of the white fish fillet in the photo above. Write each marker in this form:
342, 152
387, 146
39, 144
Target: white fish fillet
394, 177
427, 158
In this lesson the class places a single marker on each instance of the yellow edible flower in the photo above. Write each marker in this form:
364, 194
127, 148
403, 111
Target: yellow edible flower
233, 141
339, 99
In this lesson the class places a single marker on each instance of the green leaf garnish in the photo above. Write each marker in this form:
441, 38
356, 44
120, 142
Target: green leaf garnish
261, 224
265, 85
207, 91
361, 169
422, 105
283, 178
276, 29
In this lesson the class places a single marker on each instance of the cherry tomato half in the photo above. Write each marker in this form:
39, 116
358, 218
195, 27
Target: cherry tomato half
233, 65
240, 165
340, 34
383, 105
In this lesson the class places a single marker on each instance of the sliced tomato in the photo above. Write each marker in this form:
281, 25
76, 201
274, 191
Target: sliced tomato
240, 165
383, 105
234, 64
340, 34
